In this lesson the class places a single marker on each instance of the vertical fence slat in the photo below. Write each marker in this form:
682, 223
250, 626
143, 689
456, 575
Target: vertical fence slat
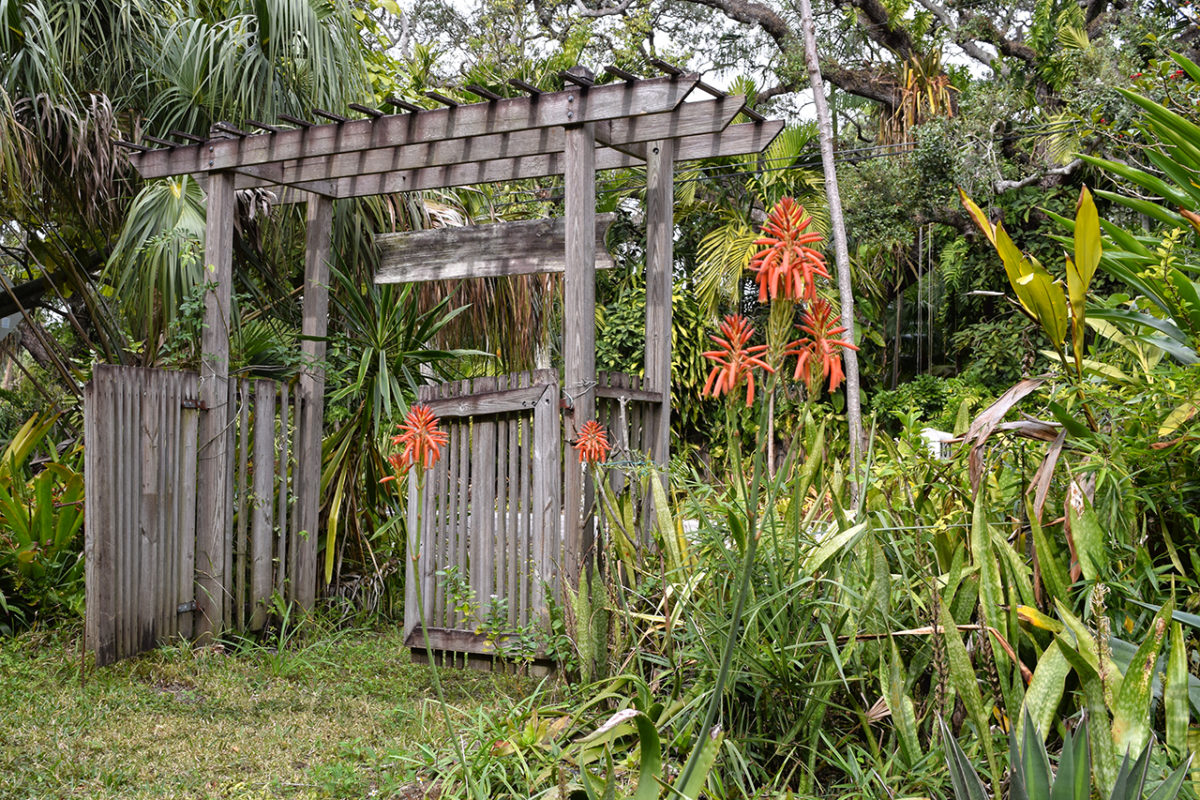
297, 471
263, 501
483, 500
242, 453
190, 429
463, 537
497, 546
281, 515
437, 542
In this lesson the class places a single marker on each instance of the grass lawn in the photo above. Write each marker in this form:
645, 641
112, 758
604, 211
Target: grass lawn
343, 714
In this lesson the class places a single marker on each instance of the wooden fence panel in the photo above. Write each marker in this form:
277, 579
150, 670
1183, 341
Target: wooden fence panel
140, 429
140, 474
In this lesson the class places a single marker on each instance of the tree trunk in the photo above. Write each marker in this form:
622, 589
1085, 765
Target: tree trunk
841, 252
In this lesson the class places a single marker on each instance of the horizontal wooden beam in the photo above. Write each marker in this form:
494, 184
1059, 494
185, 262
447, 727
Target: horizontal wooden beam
569, 107
481, 251
688, 119
498, 402
741, 139
636, 395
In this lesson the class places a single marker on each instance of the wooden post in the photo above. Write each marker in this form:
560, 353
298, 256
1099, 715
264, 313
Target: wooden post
312, 395
214, 507
660, 234
579, 340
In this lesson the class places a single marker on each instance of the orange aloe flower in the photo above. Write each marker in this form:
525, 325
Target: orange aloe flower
817, 355
422, 440
735, 361
592, 442
786, 265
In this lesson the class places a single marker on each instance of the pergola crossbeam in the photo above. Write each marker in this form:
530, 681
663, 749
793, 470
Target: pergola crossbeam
568, 107
741, 139
690, 119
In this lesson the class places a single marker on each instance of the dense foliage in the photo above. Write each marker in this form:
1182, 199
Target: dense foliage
1020, 182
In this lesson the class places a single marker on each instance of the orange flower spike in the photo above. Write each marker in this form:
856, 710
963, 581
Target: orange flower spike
819, 347
786, 265
422, 440
592, 442
735, 360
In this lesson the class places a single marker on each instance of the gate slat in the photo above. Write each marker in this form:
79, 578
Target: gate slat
297, 471
281, 515
242, 451
498, 545
263, 501
483, 501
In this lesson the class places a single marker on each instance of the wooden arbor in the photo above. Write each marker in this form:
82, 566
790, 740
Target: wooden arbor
575, 132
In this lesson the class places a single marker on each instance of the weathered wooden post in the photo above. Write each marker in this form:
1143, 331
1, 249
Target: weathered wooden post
660, 234
579, 339
312, 394
214, 500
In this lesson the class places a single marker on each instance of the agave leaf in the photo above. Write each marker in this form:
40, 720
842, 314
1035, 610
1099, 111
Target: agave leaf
963, 777
1169, 789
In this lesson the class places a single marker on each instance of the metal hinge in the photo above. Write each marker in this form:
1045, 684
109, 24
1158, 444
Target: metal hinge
184, 608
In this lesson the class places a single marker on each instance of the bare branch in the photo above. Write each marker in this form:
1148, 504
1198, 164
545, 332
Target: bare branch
1057, 174
609, 11
964, 42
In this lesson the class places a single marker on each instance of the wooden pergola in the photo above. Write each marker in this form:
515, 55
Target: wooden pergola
576, 132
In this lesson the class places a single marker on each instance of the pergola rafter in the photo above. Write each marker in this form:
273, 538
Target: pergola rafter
575, 132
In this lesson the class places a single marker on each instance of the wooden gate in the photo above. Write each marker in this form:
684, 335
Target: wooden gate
491, 538
141, 487
489, 512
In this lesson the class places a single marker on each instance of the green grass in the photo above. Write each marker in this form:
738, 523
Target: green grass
336, 714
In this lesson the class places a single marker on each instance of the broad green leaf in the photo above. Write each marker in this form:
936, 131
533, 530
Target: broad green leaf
962, 676
1131, 714
1086, 533
900, 704
1175, 696
1104, 759
1045, 691
830, 545
1053, 568
1088, 246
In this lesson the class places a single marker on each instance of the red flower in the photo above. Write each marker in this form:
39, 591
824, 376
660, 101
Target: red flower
422, 440
786, 265
817, 354
735, 361
592, 442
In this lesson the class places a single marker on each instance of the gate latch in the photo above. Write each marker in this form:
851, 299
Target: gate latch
184, 608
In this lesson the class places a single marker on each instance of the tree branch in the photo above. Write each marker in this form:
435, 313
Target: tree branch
1057, 173
609, 11
753, 13
964, 42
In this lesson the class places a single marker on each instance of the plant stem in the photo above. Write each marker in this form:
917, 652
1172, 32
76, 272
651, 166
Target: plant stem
437, 681
751, 495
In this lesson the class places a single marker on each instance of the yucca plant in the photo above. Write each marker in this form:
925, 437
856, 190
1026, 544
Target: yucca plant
1032, 778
